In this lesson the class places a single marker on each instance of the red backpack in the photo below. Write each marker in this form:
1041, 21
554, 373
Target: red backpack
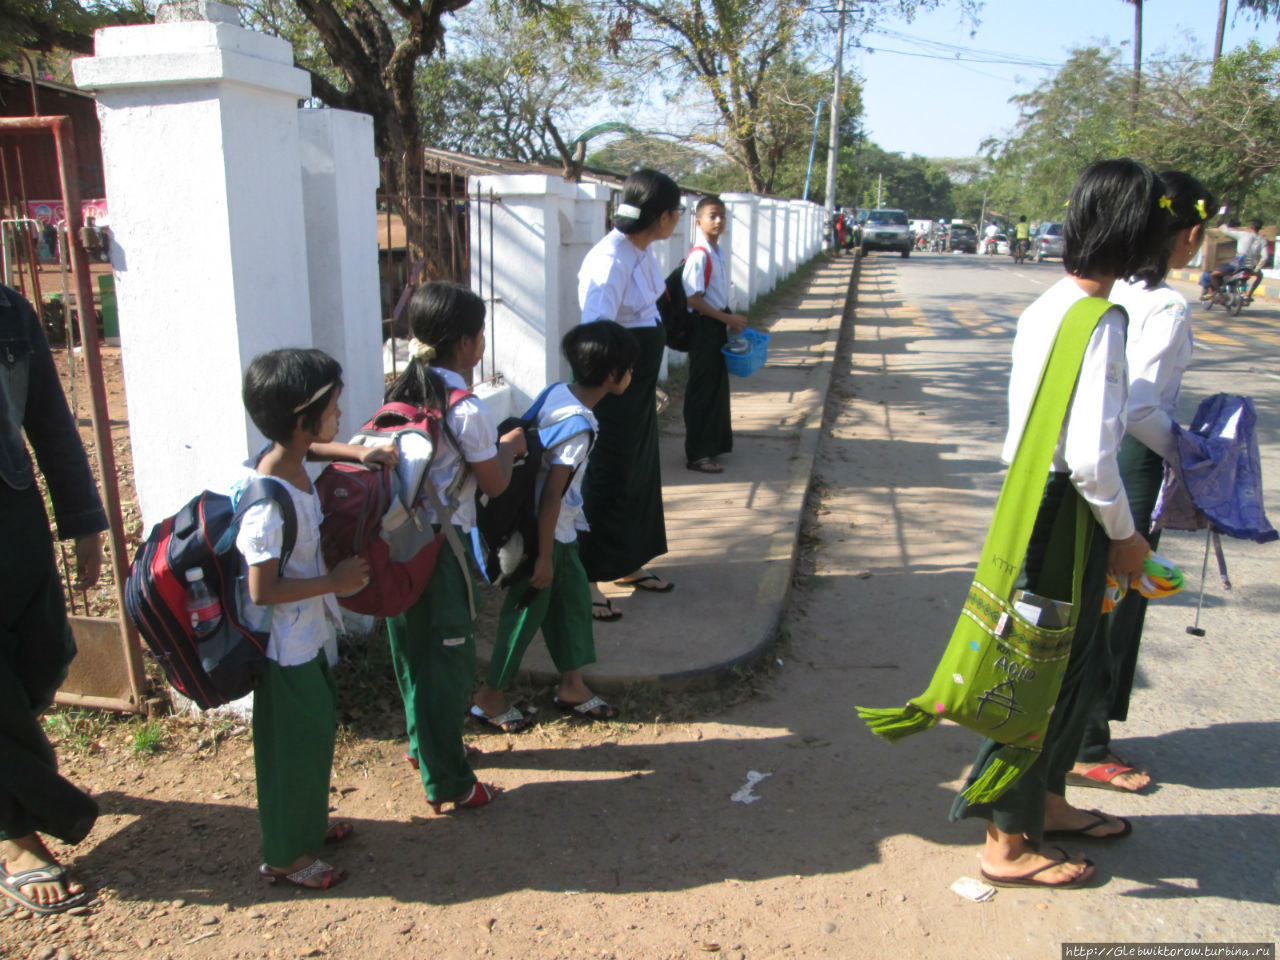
379, 514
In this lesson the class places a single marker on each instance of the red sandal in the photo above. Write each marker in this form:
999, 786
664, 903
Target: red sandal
480, 794
317, 875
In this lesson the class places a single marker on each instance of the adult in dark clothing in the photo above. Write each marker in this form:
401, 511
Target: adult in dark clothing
36, 645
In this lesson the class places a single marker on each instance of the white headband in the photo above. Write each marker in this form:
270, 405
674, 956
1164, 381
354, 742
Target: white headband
627, 210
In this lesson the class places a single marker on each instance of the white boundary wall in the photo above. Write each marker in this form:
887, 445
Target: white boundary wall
542, 230
243, 225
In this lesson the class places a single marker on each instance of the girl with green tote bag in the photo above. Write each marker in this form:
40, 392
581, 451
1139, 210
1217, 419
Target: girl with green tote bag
1062, 523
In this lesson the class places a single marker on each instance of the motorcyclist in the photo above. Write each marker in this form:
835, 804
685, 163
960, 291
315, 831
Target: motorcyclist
1022, 234
990, 233
1251, 247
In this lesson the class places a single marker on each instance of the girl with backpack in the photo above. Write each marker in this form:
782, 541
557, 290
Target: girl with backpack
1116, 226
433, 643
1158, 351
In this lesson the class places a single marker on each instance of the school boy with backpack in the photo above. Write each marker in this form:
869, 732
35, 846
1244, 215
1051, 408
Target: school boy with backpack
556, 597
707, 430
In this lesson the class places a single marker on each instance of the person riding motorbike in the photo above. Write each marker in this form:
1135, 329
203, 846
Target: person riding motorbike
1251, 247
1022, 238
990, 235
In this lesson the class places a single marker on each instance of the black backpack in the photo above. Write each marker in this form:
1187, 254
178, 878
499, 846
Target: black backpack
504, 540
224, 665
673, 305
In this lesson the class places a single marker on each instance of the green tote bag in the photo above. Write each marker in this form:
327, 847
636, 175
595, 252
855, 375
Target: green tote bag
1002, 670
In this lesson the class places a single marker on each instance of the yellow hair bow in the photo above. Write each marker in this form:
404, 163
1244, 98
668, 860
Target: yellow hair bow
1166, 203
1204, 214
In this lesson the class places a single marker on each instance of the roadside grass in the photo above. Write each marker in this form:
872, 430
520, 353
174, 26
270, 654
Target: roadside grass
148, 738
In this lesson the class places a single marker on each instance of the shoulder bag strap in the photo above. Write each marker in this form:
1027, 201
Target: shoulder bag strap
1020, 496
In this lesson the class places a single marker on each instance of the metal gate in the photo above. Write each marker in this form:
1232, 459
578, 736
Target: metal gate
108, 671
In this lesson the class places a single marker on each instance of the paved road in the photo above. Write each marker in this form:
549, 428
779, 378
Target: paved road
907, 476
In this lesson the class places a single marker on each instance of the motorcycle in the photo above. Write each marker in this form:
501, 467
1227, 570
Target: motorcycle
989, 246
1020, 250
1234, 294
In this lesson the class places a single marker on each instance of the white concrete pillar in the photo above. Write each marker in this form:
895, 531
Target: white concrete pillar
200, 146
766, 268
738, 249
339, 190
798, 238
589, 203
521, 253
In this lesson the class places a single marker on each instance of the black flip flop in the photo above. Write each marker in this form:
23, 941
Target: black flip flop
1082, 833
1029, 879
609, 617
639, 584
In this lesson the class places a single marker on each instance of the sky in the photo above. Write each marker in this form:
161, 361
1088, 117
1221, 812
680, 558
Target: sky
938, 106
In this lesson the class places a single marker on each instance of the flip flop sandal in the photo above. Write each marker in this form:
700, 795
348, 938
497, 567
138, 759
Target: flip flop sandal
480, 795
317, 875
639, 584
1029, 879
1103, 776
594, 709
513, 721
339, 831
11, 885
1082, 833
610, 616
704, 465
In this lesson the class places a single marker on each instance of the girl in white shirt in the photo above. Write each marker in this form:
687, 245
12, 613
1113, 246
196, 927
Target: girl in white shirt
433, 643
622, 490
1115, 227
1158, 352
292, 397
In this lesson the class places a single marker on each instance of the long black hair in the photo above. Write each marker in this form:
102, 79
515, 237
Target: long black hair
440, 315
652, 194
1190, 204
1115, 223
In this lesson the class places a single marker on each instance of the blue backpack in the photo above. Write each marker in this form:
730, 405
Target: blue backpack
504, 540
223, 664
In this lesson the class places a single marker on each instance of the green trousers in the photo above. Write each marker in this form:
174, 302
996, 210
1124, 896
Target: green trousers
294, 725
562, 611
36, 647
1020, 809
1142, 470
707, 421
433, 649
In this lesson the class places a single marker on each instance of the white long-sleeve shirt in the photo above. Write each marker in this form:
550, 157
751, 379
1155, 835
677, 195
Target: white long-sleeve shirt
1159, 352
1250, 247
1095, 421
619, 281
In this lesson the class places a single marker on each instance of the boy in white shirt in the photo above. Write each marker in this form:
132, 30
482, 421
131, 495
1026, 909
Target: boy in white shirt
707, 429
557, 595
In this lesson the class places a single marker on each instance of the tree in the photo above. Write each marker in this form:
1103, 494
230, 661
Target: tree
1257, 10
47, 25
731, 55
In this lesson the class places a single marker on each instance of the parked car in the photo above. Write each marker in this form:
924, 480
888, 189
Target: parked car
1047, 241
1002, 245
963, 238
887, 230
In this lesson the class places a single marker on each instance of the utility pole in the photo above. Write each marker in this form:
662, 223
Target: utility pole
1222, 30
813, 146
833, 148
879, 189
1137, 55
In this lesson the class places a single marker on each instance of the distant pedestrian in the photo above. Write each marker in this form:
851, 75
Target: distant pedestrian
36, 644
1115, 227
1158, 351
708, 431
620, 280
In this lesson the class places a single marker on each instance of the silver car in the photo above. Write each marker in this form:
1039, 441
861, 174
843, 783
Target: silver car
887, 230
1047, 241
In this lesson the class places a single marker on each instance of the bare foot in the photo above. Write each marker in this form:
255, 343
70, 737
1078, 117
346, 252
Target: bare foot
30, 853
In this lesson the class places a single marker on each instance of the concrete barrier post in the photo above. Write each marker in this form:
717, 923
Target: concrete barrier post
200, 144
738, 248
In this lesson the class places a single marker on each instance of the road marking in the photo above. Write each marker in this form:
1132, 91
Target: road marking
1211, 337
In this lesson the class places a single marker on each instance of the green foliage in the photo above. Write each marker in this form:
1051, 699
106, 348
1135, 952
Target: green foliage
49, 25
147, 738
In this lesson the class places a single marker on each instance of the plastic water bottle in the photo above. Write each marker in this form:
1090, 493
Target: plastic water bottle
203, 606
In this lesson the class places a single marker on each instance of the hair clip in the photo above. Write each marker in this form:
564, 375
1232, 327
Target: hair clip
421, 351
1204, 214
1067, 204
1166, 203
627, 210
314, 397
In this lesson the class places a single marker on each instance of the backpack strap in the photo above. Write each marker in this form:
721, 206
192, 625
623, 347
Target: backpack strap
445, 514
254, 492
539, 401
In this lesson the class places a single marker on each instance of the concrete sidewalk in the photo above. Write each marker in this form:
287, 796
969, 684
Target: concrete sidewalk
731, 537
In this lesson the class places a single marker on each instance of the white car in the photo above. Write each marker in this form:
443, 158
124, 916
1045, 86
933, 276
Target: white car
1002, 244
